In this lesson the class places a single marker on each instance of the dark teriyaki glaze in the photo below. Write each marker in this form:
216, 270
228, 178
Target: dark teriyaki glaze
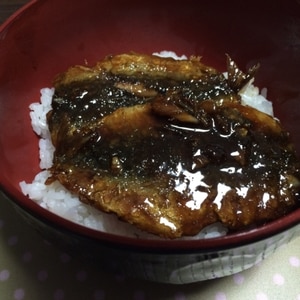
172, 155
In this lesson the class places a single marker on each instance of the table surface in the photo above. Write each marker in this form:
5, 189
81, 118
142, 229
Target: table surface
33, 269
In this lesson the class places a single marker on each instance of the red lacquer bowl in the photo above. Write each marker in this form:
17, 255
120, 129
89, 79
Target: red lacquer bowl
46, 37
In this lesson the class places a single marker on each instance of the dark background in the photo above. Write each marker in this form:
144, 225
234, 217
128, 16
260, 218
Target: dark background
8, 7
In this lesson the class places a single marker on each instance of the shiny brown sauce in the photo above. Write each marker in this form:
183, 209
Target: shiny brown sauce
192, 137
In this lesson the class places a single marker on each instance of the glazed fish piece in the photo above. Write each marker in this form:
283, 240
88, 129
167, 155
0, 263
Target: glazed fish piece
167, 145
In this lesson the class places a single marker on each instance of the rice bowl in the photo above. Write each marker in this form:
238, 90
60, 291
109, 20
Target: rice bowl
39, 42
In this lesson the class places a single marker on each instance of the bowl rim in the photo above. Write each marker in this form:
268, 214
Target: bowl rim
16, 14
268, 230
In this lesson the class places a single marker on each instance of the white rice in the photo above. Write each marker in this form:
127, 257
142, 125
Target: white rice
57, 199
169, 54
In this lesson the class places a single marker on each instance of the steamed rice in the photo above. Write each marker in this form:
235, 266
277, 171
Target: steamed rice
57, 199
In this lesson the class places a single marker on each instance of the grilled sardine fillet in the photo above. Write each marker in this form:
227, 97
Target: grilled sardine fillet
168, 146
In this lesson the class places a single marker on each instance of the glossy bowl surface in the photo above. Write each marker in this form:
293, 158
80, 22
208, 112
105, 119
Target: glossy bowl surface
46, 37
